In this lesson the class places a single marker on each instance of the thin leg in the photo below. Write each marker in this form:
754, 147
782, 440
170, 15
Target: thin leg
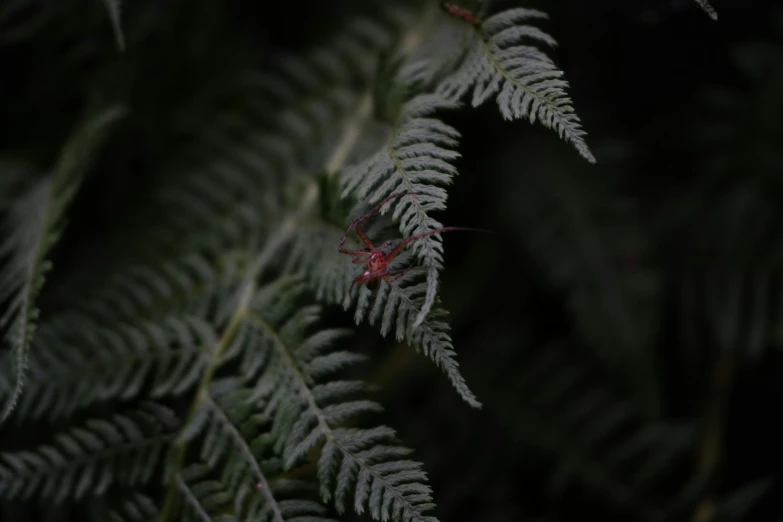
363, 236
358, 223
393, 253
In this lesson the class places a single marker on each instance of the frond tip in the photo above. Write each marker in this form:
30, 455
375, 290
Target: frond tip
367, 465
525, 82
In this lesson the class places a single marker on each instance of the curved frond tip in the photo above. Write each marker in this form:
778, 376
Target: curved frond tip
501, 61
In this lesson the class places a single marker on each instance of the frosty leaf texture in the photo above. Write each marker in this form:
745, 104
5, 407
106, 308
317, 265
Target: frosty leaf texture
500, 61
395, 308
418, 158
311, 408
71, 370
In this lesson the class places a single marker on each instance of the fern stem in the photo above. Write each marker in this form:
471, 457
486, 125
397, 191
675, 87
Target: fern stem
191, 499
304, 389
272, 246
244, 448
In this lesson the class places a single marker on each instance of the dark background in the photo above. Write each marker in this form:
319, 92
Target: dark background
640, 75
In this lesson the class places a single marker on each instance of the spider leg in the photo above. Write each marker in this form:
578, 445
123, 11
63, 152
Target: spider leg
361, 219
391, 255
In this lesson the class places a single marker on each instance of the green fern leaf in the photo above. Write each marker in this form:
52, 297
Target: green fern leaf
72, 370
33, 225
365, 465
87, 459
235, 472
396, 305
525, 82
417, 158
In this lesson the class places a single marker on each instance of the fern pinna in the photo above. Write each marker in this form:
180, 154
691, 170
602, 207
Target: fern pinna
204, 336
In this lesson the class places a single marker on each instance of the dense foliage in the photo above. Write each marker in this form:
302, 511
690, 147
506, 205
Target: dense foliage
182, 339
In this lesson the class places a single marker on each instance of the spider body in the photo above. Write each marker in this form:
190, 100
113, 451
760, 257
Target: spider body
378, 259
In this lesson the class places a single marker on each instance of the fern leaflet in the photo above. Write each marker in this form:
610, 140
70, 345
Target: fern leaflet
311, 408
525, 82
416, 159
89, 458
73, 370
32, 226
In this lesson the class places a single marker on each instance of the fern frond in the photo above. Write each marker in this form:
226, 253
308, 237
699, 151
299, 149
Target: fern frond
235, 472
707, 8
114, 8
32, 226
184, 285
417, 158
87, 364
526, 83
369, 466
396, 306
364, 465
120, 450
223, 189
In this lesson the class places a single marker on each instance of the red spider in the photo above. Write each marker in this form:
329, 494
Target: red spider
378, 259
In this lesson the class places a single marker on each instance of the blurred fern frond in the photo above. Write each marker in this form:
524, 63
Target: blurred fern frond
88, 458
707, 8
32, 224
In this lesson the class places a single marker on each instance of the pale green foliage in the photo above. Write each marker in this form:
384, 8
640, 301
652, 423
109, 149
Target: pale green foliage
353, 461
82, 363
32, 225
525, 82
212, 302
417, 158
91, 457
